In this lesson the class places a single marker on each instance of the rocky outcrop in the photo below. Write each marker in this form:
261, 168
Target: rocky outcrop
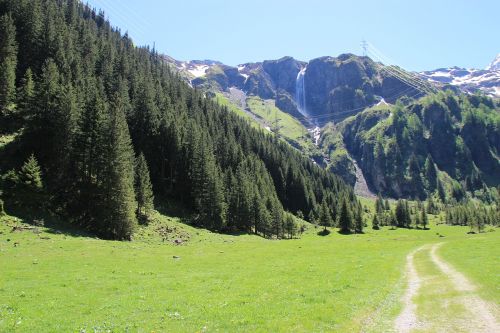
283, 73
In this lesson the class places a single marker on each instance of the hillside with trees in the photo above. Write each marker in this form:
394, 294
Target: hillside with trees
100, 126
443, 145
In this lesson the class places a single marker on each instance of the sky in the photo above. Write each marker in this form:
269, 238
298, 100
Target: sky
417, 35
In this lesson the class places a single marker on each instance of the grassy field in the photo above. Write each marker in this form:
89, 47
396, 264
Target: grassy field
64, 282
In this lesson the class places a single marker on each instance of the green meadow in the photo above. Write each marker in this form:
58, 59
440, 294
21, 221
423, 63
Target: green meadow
54, 281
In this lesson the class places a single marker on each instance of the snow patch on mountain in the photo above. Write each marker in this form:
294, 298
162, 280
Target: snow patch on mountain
469, 80
198, 70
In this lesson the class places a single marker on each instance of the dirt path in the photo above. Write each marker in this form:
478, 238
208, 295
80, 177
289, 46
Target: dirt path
407, 319
439, 298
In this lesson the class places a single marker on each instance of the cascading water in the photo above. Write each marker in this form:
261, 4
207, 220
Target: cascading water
300, 92
300, 99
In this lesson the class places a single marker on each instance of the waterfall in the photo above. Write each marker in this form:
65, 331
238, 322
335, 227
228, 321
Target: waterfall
300, 92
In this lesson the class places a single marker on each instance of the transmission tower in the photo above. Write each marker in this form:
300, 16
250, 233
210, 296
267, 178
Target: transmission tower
364, 46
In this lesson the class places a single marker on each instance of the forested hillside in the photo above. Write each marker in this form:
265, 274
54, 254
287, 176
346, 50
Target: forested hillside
444, 144
100, 125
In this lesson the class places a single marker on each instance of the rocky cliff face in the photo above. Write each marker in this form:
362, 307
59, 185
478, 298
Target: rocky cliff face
334, 87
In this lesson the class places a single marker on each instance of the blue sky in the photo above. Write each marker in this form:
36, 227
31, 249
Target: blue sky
417, 35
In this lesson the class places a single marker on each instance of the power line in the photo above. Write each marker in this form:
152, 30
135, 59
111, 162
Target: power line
398, 72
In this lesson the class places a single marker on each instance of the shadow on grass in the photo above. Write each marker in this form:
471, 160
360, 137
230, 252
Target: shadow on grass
172, 208
52, 223
324, 232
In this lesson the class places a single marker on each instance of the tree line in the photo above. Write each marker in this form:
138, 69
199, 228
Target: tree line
404, 214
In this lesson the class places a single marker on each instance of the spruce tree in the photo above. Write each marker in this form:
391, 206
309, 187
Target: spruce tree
30, 174
387, 206
30, 187
430, 174
345, 219
358, 220
375, 222
143, 187
119, 219
8, 64
325, 219
25, 95
424, 219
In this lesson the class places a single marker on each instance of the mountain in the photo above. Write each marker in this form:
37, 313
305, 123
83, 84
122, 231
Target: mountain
349, 97
468, 80
333, 88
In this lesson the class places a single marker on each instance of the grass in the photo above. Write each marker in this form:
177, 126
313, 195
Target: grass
224, 101
478, 258
290, 128
56, 282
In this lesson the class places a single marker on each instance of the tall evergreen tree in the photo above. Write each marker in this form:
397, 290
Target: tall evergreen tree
30, 174
358, 220
25, 94
424, 219
8, 64
430, 173
345, 219
119, 219
325, 219
375, 222
143, 187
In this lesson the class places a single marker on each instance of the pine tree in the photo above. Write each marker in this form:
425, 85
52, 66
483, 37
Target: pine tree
393, 221
25, 95
358, 220
424, 219
430, 173
29, 190
401, 213
387, 206
8, 64
30, 174
290, 225
143, 187
207, 184
375, 222
325, 219
119, 219
345, 219
431, 206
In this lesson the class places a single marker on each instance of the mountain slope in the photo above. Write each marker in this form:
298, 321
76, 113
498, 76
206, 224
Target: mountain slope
88, 100
443, 144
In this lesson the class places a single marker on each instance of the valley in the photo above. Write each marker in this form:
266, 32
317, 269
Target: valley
315, 283
342, 193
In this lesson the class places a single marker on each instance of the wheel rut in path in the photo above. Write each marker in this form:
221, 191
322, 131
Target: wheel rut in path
438, 298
